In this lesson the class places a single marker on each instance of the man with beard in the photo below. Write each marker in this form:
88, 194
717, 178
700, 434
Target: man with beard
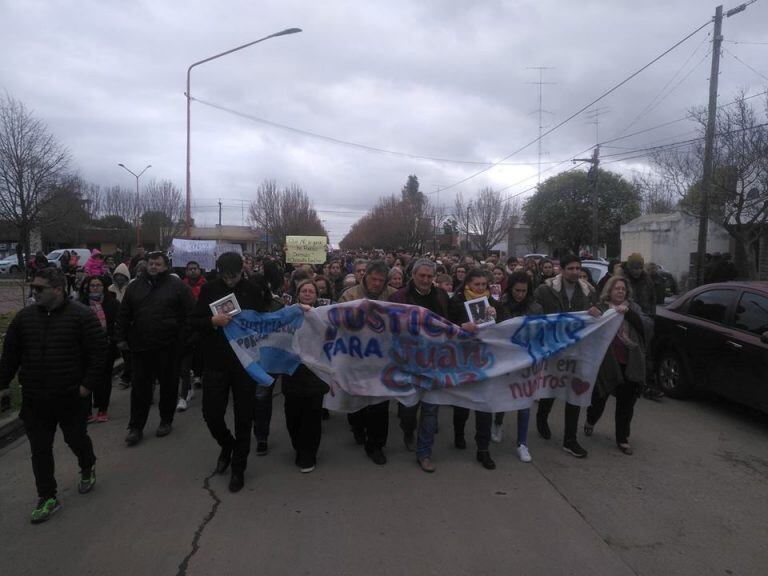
222, 371
565, 293
151, 323
59, 349
421, 291
370, 425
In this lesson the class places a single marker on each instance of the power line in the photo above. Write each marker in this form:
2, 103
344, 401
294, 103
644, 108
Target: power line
654, 103
587, 106
745, 64
349, 143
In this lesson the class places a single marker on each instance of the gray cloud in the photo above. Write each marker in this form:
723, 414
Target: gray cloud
439, 78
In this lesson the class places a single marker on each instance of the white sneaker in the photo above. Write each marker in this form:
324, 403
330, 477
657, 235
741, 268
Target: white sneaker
181, 406
523, 454
190, 395
497, 432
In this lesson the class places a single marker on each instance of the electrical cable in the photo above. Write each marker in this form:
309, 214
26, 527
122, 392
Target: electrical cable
586, 107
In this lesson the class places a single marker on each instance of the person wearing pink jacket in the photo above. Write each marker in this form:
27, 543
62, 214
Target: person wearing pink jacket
95, 265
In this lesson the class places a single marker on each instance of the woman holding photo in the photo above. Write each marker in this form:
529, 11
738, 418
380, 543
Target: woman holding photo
303, 392
475, 286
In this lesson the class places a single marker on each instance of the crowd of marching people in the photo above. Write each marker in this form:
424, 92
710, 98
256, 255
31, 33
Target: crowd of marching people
159, 320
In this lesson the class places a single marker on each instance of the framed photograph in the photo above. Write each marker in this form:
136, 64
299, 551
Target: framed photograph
227, 305
495, 290
323, 301
480, 311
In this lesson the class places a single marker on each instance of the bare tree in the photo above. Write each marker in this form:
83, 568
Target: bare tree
122, 202
162, 211
487, 217
280, 213
739, 194
657, 196
31, 163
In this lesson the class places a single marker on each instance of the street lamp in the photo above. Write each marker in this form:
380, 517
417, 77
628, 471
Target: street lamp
188, 215
137, 176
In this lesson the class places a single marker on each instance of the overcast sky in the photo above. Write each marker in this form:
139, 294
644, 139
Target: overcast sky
444, 79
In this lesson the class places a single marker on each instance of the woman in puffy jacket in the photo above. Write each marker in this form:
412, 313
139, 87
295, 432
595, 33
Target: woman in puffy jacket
94, 294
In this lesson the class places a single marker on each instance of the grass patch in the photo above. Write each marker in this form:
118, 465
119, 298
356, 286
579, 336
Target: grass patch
5, 320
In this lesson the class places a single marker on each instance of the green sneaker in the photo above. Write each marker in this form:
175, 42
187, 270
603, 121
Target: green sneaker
46, 507
87, 480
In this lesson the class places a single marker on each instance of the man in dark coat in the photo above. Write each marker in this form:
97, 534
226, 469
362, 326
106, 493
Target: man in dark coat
565, 293
151, 323
58, 348
222, 371
420, 291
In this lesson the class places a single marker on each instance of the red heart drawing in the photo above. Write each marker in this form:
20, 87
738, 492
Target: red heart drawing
579, 386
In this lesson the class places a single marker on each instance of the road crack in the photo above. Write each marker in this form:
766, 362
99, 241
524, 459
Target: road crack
201, 527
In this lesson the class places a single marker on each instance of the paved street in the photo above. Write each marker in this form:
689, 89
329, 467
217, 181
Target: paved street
691, 501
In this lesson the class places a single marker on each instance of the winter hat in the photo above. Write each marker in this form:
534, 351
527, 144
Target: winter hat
635, 260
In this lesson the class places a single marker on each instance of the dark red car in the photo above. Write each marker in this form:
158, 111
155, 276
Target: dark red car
716, 337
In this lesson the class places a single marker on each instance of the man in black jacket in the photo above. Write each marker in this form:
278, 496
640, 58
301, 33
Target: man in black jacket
420, 291
565, 293
151, 324
222, 371
59, 349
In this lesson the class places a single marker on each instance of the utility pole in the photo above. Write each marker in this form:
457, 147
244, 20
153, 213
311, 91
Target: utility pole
709, 138
541, 110
709, 143
219, 212
593, 178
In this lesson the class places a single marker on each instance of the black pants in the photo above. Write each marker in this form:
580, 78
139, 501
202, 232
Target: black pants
482, 426
303, 417
262, 412
373, 423
127, 367
160, 364
103, 391
217, 385
571, 417
189, 363
408, 416
626, 396
40, 419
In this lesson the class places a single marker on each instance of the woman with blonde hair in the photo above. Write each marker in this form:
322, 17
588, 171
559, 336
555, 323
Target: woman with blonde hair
622, 372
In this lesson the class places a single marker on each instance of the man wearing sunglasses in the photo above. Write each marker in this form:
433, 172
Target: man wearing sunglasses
151, 323
58, 348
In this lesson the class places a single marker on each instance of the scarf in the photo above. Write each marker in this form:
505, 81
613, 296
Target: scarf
99, 310
470, 295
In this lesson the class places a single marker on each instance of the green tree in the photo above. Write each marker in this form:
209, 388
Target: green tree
560, 212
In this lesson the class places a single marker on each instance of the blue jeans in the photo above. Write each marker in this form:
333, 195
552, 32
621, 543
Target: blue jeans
427, 429
523, 416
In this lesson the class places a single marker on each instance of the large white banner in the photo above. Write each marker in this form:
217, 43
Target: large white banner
369, 351
204, 252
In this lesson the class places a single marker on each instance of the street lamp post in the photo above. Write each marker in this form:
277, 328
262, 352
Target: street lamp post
188, 215
138, 202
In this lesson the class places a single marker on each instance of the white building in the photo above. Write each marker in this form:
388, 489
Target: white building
671, 240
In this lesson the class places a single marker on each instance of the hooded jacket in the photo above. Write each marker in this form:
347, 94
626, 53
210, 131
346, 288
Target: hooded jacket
554, 299
113, 288
94, 266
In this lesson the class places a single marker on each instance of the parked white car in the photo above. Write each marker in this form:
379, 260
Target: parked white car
9, 264
54, 256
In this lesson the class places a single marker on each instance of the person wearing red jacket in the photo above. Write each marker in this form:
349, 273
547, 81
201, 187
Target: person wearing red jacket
190, 364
